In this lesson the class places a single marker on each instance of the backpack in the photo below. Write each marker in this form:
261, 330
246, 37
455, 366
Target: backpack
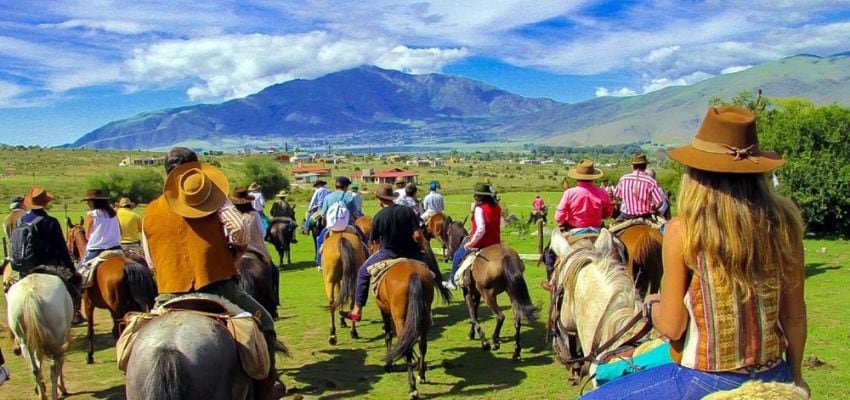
337, 216
27, 245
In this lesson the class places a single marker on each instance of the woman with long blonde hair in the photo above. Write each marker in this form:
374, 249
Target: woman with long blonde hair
731, 302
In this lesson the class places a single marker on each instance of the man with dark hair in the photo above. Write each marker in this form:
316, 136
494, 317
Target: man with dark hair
639, 192
315, 203
177, 156
17, 211
339, 195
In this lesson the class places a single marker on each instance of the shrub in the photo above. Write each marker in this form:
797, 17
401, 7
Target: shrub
141, 185
265, 171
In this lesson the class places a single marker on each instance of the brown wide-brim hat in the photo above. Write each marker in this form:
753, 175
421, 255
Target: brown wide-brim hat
727, 142
125, 202
195, 190
640, 159
95, 194
254, 186
483, 189
241, 196
585, 171
385, 191
37, 198
400, 179
282, 193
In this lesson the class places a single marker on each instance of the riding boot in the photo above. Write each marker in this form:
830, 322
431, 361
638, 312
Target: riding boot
74, 286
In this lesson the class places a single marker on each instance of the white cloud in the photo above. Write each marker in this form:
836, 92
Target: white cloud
112, 26
661, 83
9, 92
232, 66
735, 68
622, 92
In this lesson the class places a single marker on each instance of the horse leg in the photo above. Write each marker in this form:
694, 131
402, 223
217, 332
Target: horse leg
329, 290
60, 361
354, 334
423, 348
388, 338
411, 379
473, 298
90, 332
517, 326
490, 299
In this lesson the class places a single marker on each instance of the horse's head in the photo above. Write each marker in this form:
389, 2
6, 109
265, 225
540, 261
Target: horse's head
455, 234
75, 240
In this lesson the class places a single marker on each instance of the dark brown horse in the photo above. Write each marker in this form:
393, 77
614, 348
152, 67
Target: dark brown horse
255, 279
435, 228
119, 285
404, 298
642, 247
315, 230
280, 236
497, 269
342, 254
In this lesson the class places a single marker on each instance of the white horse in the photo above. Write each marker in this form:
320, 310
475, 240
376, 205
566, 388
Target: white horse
40, 312
599, 299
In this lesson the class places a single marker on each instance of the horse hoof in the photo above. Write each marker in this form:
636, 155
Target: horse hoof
516, 357
332, 340
421, 379
496, 345
388, 368
485, 346
355, 335
414, 395
90, 360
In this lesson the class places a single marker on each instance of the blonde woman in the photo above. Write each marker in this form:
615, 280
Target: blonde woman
731, 301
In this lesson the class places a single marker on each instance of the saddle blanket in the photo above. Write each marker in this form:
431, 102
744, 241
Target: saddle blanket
463, 276
655, 221
378, 270
87, 269
243, 327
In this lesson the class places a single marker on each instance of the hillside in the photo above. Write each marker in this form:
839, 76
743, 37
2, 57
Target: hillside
371, 106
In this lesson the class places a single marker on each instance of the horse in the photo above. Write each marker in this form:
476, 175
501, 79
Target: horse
315, 230
596, 302
365, 224
40, 310
256, 280
642, 247
536, 215
281, 237
404, 297
342, 254
496, 269
184, 355
435, 228
119, 285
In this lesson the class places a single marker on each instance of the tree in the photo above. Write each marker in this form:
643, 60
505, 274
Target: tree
140, 185
266, 172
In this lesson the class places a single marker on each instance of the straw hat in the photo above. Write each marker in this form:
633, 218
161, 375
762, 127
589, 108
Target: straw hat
282, 193
639, 159
37, 198
400, 179
385, 191
727, 142
241, 196
195, 190
483, 189
585, 171
95, 194
125, 202
254, 186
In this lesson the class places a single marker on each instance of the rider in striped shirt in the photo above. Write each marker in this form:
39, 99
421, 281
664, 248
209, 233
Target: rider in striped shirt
640, 194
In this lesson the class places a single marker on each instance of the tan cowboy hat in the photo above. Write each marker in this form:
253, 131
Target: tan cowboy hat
254, 186
241, 196
95, 194
483, 189
639, 159
385, 191
282, 193
195, 190
400, 179
585, 171
37, 198
125, 202
727, 142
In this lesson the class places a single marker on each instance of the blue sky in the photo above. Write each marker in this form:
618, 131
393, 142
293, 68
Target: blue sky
67, 67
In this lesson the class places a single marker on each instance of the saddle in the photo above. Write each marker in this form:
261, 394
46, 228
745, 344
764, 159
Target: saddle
379, 270
652, 220
243, 327
463, 276
88, 268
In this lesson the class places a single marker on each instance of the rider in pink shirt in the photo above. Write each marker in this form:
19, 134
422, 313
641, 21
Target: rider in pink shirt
584, 206
537, 203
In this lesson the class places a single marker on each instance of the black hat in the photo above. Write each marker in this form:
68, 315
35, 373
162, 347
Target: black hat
319, 183
17, 199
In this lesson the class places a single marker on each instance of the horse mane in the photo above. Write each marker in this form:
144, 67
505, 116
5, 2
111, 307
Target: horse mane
455, 234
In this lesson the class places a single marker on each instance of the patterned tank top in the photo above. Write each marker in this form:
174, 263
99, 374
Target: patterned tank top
724, 333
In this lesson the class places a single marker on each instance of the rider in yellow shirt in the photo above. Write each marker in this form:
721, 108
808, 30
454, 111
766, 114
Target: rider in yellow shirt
129, 221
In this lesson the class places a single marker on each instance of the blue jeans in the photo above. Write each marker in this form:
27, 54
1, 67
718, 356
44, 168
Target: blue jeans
673, 381
91, 254
459, 255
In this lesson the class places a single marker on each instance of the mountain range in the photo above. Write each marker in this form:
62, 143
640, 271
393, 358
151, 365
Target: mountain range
369, 106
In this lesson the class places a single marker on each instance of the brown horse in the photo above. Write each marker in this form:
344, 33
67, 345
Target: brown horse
255, 279
404, 298
342, 254
119, 285
365, 224
280, 236
497, 269
435, 228
642, 247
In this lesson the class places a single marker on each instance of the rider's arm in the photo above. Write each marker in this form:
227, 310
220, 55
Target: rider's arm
659, 199
147, 251
670, 317
231, 218
561, 211
478, 215
792, 317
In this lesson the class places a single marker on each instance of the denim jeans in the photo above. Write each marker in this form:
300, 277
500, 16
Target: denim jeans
673, 381
459, 255
91, 254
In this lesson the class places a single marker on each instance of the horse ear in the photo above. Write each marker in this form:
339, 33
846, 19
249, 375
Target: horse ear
464, 220
605, 241
81, 221
68, 222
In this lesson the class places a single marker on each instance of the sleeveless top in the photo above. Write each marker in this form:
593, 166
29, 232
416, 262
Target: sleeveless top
492, 228
725, 333
105, 231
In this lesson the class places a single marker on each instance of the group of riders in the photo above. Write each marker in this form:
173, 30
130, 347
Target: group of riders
193, 234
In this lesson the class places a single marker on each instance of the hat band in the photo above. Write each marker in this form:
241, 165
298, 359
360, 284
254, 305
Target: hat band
738, 153
200, 194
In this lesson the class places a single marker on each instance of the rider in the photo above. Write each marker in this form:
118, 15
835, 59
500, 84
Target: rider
640, 194
400, 183
185, 241
340, 194
433, 202
101, 225
486, 230
396, 228
538, 206
358, 199
259, 205
130, 224
18, 210
584, 206
55, 251
409, 199
315, 203
282, 209
244, 202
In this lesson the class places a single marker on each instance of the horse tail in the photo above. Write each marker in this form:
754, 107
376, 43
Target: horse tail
142, 287
165, 377
37, 337
415, 321
517, 289
246, 279
431, 263
349, 272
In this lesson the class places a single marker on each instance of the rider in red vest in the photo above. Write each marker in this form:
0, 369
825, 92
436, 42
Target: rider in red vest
486, 229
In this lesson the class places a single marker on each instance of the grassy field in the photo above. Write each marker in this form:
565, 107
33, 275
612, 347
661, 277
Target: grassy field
457, 367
